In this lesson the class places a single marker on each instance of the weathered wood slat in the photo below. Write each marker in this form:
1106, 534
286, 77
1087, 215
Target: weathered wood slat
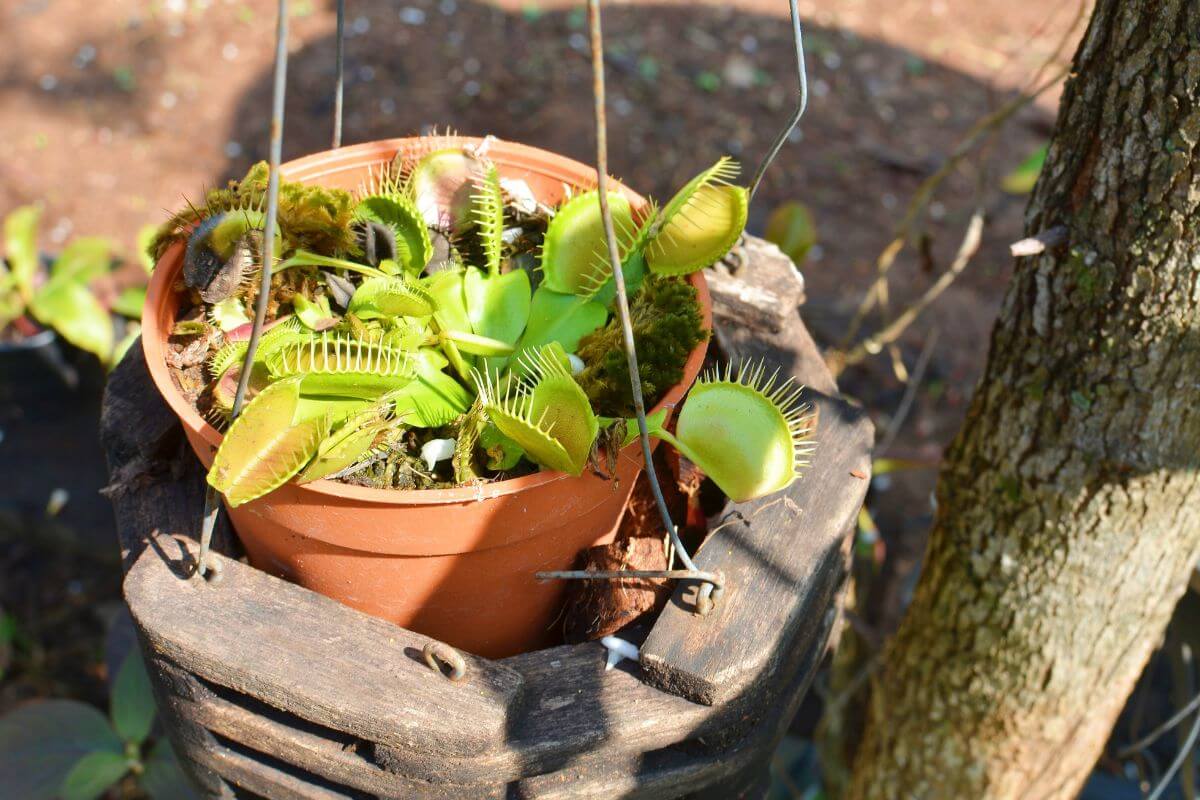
677, 771
267, 780
763, 304
259, 635
342, 759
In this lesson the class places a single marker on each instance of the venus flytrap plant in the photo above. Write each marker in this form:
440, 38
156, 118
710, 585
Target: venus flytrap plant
392, 229
380, 361
268, 444
441, 185
497, 304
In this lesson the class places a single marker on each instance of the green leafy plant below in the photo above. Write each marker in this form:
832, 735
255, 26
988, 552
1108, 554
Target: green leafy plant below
68, 750
60, 297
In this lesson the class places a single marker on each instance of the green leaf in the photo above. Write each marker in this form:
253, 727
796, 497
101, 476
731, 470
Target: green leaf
360, 434
228, 314
747, 431
41, 741
132, 703
446, 289
389, 297
1022, 179
93, 774
162, 778
701, 232
488, 207
791, 227
20, 248
654, 422
130, 301
562, 318
400, 215
700, 223
503, 453
316, 316
343, 366
433, 400
82, 261
498, 307
546, 414
478, 345
73, 311
633, 269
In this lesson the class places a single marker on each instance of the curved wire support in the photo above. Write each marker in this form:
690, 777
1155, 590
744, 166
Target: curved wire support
705, 596
340, 82
713, 581
802, 106
211, 505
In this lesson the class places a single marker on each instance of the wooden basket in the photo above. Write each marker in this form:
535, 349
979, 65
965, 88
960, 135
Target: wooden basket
268, 689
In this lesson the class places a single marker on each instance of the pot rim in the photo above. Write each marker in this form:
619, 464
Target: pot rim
42, 338
312, 168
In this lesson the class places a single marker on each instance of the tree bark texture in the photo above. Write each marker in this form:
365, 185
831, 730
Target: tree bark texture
1069, 504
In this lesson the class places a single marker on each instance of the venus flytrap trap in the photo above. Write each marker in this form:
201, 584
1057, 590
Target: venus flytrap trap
748, 431
386, 370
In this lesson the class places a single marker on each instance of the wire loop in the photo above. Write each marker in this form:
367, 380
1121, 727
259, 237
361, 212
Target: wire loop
441, 657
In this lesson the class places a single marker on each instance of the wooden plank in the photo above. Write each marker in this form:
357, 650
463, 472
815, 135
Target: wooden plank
779, 554
155, 480
313, 657
695, 769
190, 741
341, 758
269, 780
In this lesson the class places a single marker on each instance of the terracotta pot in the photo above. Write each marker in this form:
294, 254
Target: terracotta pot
456, 564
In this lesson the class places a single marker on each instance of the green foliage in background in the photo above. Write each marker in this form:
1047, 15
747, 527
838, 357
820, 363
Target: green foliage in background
792, 229
1022, 179
70, 750
60, 296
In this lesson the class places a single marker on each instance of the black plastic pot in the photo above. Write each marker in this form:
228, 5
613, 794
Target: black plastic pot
42, 378
50, 396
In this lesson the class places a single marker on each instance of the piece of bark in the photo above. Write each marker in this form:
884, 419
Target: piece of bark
600, 607
597, 608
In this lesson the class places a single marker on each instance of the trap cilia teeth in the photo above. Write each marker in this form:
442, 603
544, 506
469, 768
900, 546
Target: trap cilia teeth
436, 304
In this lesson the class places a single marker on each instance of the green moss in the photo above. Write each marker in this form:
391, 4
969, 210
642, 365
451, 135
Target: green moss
310, 217
667, 326
402, 467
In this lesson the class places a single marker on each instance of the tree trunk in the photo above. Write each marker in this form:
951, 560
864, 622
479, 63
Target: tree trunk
1069, 506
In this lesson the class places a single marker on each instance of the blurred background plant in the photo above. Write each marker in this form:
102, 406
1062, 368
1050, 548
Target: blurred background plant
63, 748
77, 293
